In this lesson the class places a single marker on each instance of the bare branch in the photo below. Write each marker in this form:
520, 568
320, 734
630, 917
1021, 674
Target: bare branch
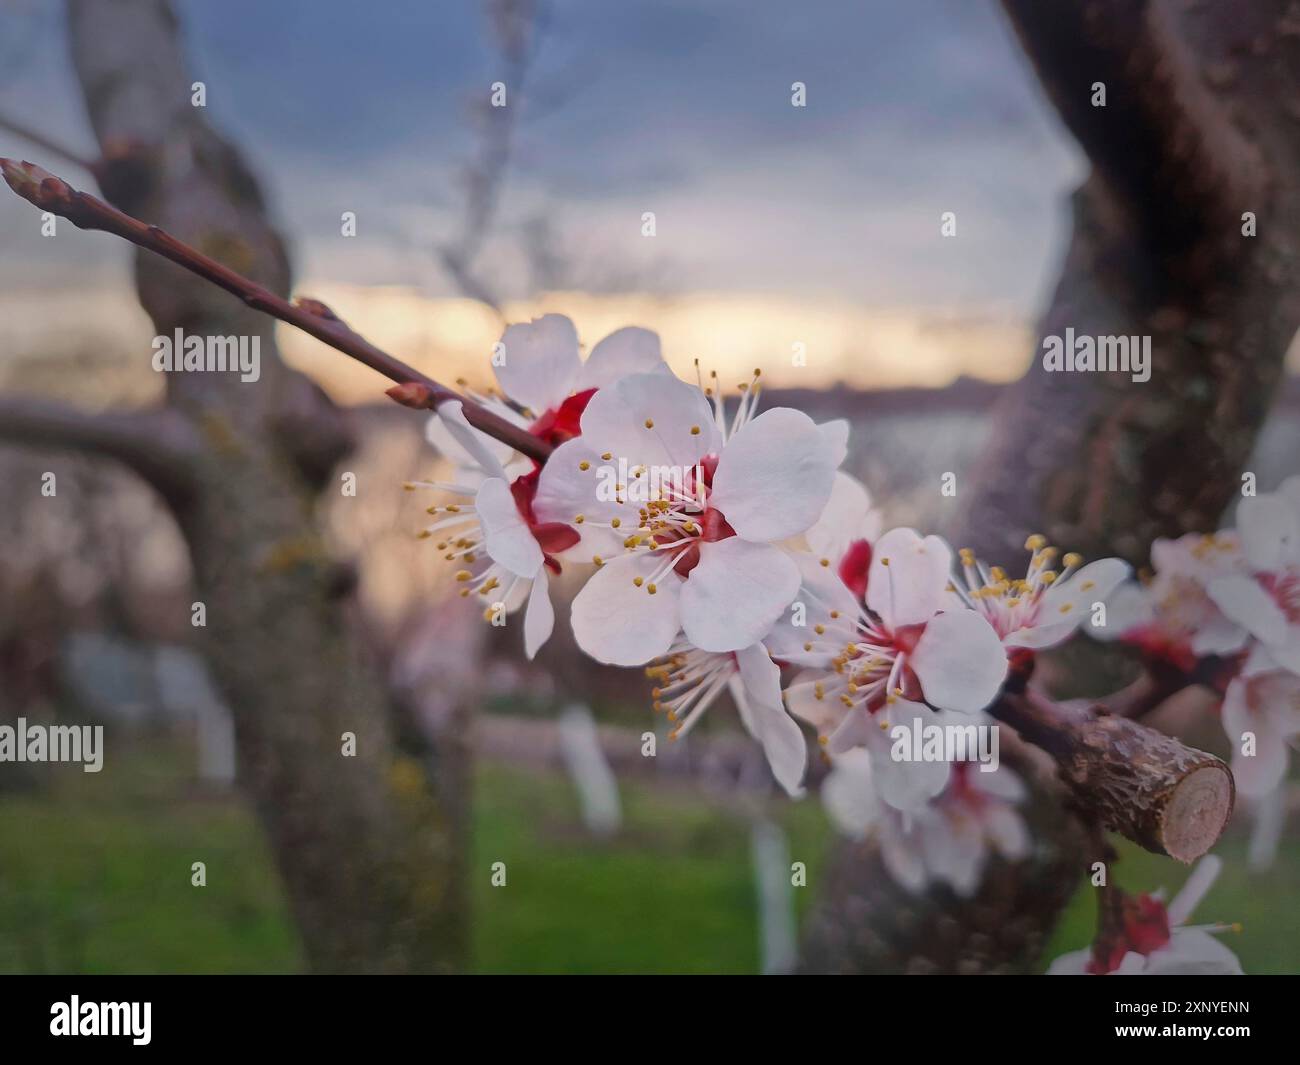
158, 444
52, 147
51, 193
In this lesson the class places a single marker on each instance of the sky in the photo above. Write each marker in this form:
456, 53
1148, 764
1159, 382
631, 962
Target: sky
785, 223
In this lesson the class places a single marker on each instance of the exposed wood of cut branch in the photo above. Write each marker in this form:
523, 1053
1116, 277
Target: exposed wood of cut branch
1163, 795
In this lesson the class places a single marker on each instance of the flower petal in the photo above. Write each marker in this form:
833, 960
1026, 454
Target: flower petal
1064, 606
1270, 531
907, 784
849, 794
565, 490
625, 351
620, 624
539, 362
539, 618
1245, 602
647, 419
736, 593
774, 476
506, 536
462, 443
757, 692
847, 516
908, 577
836, 435
959, 661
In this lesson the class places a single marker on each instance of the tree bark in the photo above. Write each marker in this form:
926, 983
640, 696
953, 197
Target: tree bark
1199, 128
371, 859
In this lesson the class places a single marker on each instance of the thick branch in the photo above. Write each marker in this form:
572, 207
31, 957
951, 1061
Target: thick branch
51, 193
1161, 141
159, 445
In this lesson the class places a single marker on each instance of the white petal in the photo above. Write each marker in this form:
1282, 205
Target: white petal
849, 794
539, 362
464, 438
1270, 531
909, 577
908, 786
506, 536
1246, 603
445, 443
1007, 832
1073, 964
959, 661
758, 699
736, 593
620, 624
565, 490
901, 852
1191, 951
625, 351
1128, 609
539, 618
823, 714
615, 421
836, 435
847, 516
1064, 606
774, 476
1194, 890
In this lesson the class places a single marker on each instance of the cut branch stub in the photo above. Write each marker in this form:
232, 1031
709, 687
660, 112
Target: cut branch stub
1165, 796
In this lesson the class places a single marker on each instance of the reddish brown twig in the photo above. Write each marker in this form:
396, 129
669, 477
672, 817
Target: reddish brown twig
84, 211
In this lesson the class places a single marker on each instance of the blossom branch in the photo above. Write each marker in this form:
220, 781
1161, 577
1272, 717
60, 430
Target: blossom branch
1161, 794
159, 445
50, 193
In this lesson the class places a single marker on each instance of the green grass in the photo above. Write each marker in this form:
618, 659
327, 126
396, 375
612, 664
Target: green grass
95, 877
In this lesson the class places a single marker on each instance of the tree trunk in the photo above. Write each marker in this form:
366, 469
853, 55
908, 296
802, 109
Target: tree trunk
371, 858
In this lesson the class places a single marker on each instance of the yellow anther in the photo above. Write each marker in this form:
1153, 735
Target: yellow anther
1066, 607
825, 563
638, 581
695, 430
1073, 559
651, 589
607, 456
1047, 576
649, 423
615, 523
1035, 542
463, 575
584, 465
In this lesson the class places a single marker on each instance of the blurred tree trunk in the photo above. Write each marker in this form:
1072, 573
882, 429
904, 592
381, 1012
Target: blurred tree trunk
370, 853
1201, 125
